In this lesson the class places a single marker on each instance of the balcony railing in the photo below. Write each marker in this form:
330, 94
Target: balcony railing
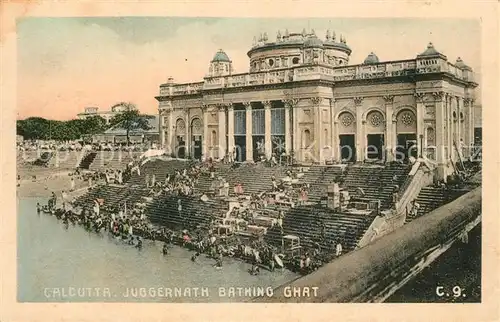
316, 72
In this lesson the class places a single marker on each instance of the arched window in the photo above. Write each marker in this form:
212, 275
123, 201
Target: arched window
306, 142
214, 138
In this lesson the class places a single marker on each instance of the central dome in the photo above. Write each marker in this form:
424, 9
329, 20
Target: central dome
371, 59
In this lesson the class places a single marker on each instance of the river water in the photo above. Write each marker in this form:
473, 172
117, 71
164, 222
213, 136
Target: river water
59, 263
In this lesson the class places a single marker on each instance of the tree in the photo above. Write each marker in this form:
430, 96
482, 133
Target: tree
94, 125
130, 119
37, 128
34, 128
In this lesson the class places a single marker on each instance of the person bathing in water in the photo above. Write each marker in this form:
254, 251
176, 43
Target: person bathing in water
139, 243
195, 256
38, 208
218, 263
165, 249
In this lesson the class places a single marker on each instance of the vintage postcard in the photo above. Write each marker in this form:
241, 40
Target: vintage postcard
201, 158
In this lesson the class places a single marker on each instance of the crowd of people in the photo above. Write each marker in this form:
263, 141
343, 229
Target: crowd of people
131, 224
77, 145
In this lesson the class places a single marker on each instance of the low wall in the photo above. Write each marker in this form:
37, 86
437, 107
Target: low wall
346, 278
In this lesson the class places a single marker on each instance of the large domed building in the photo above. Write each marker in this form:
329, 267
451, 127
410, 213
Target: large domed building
303, 99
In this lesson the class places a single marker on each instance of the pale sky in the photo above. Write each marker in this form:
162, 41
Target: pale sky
66, 64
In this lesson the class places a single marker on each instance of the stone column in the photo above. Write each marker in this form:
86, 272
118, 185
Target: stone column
206, 135
360, 138
170, 132
187, 137
453, 127
318, 132
249, 138
267, 128
440, 100
336, 141
291, 132
334, 148
465, 127
230, 129
449, 127
221, 131
288, 132
394, 136
420, 120
163, 128
297, 142
472, 123
389, 130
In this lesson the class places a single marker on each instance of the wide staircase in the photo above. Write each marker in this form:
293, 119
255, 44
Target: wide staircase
113, 196
113, 159
194, 214
431, 198
254, 178
315, 224
160, 169
322, 179
87, 160
376, 181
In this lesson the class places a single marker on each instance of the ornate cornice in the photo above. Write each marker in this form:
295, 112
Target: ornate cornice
389, 99
358, 100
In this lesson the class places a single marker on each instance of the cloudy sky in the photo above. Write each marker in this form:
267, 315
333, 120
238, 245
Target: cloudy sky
65, 64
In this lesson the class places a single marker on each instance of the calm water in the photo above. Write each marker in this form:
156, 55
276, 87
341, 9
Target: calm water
57, 263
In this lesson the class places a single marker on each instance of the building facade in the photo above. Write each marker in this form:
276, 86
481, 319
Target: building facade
302, 98
94, 111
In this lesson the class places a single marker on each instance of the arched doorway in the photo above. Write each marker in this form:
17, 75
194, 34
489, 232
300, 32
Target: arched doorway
196, 138
180, 136
375, 128
406, 131
347, 137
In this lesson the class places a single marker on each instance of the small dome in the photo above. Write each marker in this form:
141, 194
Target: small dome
431, 51
221, 56
371, 59
460, 64
313, 41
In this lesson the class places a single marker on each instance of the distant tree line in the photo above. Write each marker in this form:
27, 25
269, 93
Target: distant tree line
38, 128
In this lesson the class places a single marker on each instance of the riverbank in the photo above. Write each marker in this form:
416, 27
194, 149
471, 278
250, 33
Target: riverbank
75, 258
47, 181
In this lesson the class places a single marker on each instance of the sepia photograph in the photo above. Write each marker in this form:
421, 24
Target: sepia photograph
196, 159
259, 177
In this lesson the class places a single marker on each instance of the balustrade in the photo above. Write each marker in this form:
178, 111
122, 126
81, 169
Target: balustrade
389, 69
